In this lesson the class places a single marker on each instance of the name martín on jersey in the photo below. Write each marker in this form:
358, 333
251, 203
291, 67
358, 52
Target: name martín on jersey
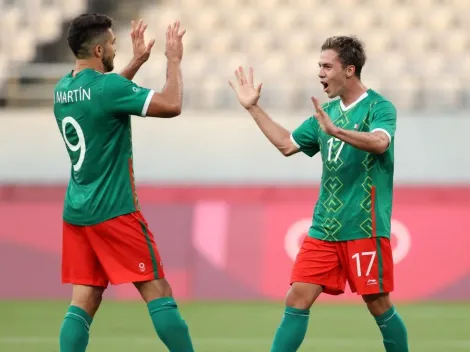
72, 96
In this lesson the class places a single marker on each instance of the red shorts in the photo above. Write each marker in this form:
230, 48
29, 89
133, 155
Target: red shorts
366, 264
119, 250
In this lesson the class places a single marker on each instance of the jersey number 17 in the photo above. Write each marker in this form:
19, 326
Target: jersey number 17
331, 142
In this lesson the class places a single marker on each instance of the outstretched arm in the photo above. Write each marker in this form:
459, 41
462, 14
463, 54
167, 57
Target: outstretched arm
277, 135
169, 102
140, 49
248, 96
123, 96
373, 142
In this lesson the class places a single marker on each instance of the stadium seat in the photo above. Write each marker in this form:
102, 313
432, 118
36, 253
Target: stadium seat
261, 42
409, 39
290, 20
72, 8
438, 19
22, 48
298, 44
31, 23
245, 21
415, 42
379, 41
324, 17
455, 41
49, 25
400, 19
458, 5
208, 20
425, 4
357, 21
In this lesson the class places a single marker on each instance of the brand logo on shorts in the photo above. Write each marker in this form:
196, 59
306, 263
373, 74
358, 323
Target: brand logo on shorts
371, 282
142, 267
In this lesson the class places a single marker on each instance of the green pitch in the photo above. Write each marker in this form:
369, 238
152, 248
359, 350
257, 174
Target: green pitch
226, 326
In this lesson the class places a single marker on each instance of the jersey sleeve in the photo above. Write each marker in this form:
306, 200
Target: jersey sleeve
122, 96
384, 119
305, 137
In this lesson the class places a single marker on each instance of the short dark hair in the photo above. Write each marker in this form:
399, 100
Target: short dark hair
84, 30
350, 51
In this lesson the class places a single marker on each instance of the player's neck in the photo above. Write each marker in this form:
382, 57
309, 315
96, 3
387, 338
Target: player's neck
81, 65
351, 94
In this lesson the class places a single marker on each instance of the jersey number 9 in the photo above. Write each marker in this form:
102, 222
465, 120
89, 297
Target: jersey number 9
80, 145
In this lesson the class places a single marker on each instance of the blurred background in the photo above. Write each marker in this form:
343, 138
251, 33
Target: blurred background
227, 210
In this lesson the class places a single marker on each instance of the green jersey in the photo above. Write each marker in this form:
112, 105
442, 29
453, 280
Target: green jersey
93, 111
355, 199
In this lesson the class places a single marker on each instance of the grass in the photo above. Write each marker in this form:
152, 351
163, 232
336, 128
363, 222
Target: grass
33, 326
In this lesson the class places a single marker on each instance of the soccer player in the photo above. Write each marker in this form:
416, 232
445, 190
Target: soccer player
105, 237
349, 239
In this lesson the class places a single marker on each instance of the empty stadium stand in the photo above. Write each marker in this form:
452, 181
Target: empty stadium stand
418, 50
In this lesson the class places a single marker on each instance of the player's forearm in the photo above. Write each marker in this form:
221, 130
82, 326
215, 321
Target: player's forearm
276, 134
131, 70
369, 142
173, 89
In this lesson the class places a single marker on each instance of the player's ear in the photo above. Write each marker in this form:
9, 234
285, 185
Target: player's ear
98, 51
350, 70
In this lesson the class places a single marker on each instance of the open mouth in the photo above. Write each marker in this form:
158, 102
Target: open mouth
325, 86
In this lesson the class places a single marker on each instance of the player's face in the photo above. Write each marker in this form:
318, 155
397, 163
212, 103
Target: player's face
332, 73
109, 52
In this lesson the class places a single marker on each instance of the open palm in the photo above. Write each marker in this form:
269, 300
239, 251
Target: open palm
141, 49
247, 94
323, 119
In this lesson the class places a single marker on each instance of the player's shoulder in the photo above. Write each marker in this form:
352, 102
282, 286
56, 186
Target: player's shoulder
115, 78
113, 83
378, 102
62, 81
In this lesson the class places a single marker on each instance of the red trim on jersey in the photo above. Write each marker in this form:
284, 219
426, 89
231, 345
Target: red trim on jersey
374, 229
131, 177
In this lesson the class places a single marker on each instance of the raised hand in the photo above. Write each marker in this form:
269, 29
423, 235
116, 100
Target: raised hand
247, 94
323, 119
141, 50
174, 42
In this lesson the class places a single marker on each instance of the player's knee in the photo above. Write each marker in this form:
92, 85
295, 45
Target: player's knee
88, 304
378, 304
302, 295
150, 290
88, 298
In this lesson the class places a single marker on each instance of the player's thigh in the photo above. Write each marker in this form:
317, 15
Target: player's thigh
302, 295
369, 265
80, 265
318, 263
126, 249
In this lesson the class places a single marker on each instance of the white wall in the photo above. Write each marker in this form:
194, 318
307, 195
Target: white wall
227, 147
